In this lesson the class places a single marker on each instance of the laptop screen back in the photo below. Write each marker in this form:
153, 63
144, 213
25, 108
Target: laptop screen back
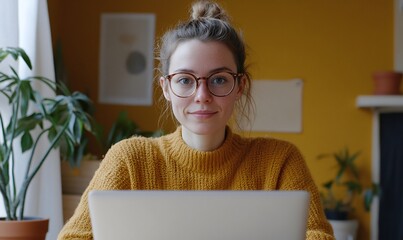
197, 215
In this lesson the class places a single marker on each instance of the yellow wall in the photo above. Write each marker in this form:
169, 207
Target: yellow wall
334, 46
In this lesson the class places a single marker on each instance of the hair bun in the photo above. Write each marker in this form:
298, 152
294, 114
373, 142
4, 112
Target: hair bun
208, 9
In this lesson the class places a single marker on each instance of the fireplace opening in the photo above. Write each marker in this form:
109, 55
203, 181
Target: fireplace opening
390, 219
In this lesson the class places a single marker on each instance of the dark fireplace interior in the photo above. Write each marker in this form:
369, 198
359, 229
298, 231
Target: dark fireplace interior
391, 177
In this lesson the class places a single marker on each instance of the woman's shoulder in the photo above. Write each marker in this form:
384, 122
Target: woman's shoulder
141, 144
266, 141
134, 143
270, 145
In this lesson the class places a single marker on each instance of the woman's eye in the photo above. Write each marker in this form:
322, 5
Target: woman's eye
184, 81
218, 80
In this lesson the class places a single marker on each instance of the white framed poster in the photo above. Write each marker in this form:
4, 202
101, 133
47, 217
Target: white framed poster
126, 58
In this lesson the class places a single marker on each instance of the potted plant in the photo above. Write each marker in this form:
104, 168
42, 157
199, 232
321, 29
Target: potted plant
55, 118
340, 191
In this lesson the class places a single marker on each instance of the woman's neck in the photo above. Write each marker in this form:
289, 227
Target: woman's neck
203, 142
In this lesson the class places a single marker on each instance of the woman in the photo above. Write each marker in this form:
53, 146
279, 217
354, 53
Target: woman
204, 80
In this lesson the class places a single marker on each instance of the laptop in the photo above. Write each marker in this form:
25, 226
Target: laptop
198, 215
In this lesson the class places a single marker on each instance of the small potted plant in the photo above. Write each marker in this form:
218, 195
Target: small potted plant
31, 118
340, 191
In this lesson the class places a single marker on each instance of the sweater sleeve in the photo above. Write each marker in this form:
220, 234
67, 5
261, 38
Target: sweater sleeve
112, 174
295, 175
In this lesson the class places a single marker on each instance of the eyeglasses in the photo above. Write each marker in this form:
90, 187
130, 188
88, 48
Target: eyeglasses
219, 84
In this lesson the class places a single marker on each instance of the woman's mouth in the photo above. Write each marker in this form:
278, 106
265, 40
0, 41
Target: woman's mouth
203, 113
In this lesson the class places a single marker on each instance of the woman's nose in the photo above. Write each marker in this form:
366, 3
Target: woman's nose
202, 92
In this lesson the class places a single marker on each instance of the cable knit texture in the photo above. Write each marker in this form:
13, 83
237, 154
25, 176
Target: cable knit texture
168, 163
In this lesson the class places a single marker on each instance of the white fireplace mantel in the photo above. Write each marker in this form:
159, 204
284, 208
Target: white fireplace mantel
381, 103
378, 104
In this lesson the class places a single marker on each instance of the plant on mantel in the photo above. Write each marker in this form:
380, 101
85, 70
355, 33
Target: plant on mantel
33, 117
342, 189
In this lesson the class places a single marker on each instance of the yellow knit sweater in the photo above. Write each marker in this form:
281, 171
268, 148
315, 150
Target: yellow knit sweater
168, 163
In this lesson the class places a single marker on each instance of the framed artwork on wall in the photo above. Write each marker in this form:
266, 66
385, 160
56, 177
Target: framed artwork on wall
126, 59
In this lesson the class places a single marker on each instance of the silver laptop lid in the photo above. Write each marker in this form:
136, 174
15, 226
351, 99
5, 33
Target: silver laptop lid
197, 215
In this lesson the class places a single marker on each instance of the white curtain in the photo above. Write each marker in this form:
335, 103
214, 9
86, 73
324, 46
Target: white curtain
25, 23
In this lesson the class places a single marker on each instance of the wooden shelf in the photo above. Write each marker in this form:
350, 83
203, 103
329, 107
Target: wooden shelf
380, 102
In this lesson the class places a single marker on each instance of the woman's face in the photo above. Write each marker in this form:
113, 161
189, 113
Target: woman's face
202, 113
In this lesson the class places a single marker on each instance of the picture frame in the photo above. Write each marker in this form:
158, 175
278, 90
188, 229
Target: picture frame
126, 58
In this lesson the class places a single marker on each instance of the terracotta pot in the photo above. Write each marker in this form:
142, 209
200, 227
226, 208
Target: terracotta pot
387, 82
29, 229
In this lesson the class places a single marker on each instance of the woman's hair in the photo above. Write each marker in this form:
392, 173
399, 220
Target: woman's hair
208, 22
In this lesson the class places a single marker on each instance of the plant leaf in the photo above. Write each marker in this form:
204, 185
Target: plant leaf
25, 96
24, 56
26, 141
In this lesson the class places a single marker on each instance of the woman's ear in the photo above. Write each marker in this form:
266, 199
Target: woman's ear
164, 85
241, 87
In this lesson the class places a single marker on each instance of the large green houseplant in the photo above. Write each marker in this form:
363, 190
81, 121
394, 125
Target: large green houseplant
58, 117
340, 191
